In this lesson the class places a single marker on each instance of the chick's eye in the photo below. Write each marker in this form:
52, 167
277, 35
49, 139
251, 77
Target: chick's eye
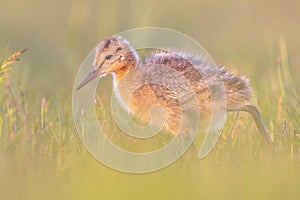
108, 57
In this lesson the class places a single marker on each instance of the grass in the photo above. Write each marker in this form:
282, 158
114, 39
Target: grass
41, 156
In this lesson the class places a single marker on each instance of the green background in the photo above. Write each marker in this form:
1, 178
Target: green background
41, 156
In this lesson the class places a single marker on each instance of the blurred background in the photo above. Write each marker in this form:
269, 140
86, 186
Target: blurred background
255, 38
60, 35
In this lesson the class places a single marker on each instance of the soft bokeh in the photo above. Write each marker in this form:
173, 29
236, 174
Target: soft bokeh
41, 156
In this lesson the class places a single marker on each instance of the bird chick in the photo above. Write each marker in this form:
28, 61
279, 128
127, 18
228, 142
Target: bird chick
114, 55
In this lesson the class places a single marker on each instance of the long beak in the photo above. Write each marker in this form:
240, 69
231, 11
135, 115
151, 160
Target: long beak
93, 74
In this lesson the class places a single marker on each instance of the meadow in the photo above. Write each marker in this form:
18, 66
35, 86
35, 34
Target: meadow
41, 155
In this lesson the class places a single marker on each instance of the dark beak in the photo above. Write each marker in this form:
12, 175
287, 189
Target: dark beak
93, 74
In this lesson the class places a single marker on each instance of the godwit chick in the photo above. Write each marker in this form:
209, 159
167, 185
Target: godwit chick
116, 56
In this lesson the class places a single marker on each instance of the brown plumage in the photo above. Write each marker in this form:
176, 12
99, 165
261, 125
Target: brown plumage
115, 55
